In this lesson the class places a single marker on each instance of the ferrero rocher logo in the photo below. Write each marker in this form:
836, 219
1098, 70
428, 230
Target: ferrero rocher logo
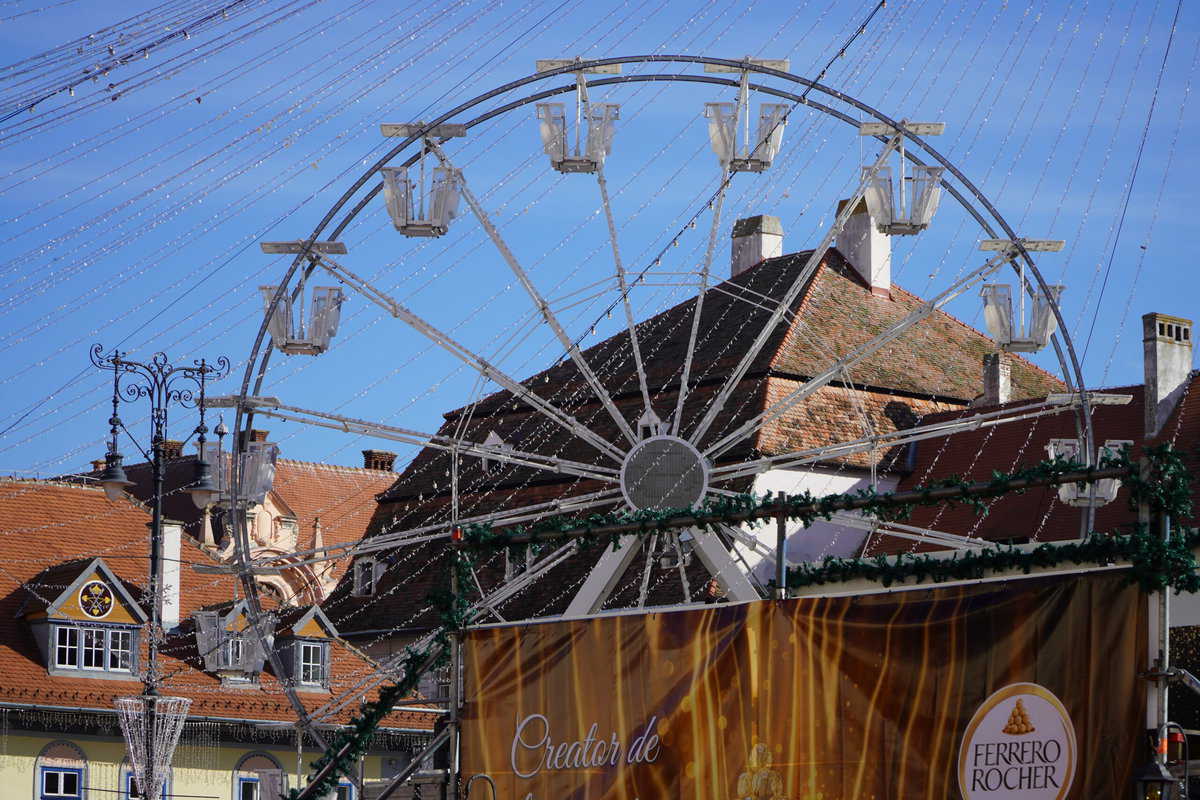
1019, 744
1018, 721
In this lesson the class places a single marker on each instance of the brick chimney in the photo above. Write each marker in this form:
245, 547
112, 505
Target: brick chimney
380, 460
997, 380
1167, 358
867, 250
172, 449
754, 240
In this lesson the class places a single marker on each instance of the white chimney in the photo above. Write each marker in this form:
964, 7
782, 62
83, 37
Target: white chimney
168, 593
997, 380
1167, 349
754, 240
868, 250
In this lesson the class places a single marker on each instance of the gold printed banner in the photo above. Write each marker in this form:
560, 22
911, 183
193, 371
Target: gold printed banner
1027, 689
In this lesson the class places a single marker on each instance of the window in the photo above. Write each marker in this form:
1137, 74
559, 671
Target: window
247, 789
345, 791
131, 790
60, 782
66, 646
235, 649
364, 577
94, 648
120, 650
312, 663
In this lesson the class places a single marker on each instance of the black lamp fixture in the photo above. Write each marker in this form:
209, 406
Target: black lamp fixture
1154, 782
113, 477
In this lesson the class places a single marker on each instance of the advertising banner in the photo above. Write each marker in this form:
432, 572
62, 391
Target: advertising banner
1023, 689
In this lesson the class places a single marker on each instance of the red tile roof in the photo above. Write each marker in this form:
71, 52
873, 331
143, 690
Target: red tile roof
1038, 514
44, 525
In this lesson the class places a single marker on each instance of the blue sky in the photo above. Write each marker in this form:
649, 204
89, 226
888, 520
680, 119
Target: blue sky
135, 220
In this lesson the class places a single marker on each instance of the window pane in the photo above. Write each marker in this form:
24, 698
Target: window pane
247, 790
66, 650
120, 650
50, 782
70, 783
344, 792
93, 648
312, 665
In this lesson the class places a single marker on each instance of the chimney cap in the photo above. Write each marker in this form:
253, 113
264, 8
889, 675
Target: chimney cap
763, 223
382, 460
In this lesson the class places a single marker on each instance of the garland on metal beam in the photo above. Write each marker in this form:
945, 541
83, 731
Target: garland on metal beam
1154, 564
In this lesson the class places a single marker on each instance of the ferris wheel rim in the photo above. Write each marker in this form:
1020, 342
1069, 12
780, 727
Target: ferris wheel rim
1071, 369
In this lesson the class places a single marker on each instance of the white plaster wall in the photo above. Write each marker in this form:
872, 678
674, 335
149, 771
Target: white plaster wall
807, 544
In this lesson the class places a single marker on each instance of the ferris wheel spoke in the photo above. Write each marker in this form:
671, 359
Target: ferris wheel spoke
798, 458
604, 577
623, 285
436, 441
441, 530
723, 566
473, 360
785, 303
540, 303
842, 365
647, 566
694, 332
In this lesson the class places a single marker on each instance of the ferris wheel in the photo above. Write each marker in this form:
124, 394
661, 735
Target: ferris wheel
624, 368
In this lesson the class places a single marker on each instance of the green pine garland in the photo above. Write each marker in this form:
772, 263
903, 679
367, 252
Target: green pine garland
1162, 482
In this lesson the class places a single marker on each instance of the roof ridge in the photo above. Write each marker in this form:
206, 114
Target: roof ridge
335, 467
972, 329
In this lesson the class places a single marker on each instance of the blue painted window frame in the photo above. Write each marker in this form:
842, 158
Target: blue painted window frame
77, 772
242, 782
345, 791
129, 786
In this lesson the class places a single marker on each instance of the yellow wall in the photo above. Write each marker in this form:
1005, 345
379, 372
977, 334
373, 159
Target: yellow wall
104, 773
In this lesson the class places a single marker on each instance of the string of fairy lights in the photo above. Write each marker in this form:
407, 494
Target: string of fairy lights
815, 158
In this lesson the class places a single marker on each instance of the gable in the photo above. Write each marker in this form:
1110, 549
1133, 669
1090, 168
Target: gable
92, 593
96, 599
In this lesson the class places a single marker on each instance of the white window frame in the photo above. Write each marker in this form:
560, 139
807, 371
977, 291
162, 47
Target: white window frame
93, 646
115, 649
60, 771
321, 665
71, 645
68, 648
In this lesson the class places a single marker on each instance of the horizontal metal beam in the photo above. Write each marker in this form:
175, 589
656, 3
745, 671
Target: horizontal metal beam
776, 509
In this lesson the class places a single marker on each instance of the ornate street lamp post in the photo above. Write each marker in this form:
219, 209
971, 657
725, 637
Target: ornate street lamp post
151, 724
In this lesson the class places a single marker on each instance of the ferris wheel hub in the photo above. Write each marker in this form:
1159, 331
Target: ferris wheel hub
664, 472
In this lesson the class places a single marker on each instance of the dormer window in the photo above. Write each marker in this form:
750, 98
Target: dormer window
303, 640
365, 570
312, 663
229, 645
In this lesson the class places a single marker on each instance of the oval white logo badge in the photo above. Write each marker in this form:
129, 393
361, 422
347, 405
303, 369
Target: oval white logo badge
1019, 745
